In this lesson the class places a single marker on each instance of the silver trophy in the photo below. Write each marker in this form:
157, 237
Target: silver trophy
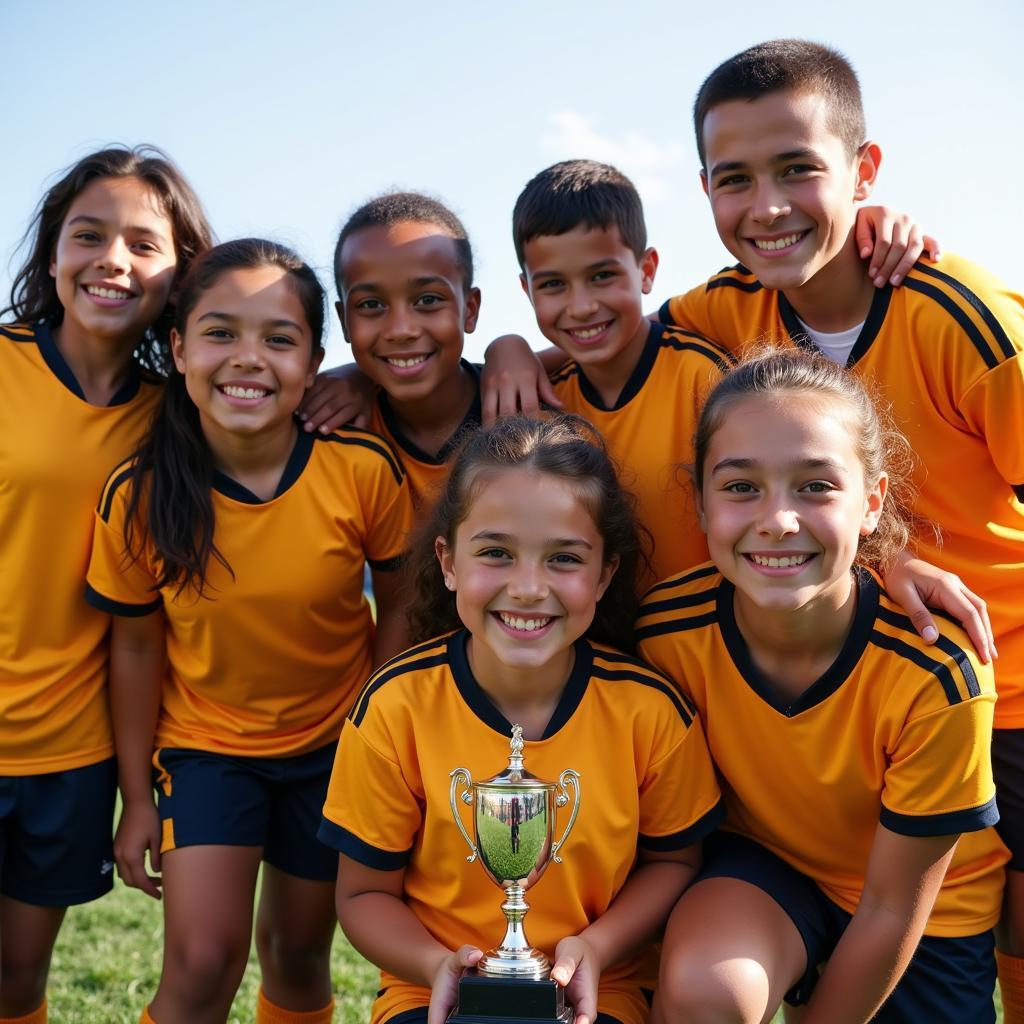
514, 825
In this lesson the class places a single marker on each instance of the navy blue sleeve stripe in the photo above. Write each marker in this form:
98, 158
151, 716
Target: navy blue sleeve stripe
677, 581
340, 839
1018, 490
962, 319
126, 611
689, 346
107, 503
684, 601
380, 447
675, 626
944, 644
386, 564
974, 819
694, 834
665, 314
912, 654
656, 684
359, 709
1002, 340
731, 282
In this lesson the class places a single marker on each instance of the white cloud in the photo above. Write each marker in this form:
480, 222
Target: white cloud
655, 167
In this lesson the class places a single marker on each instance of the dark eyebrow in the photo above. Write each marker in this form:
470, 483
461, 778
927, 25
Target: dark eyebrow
555, 542
590, 268
231, 318
790, 154
136, 228
422, 282
823, 463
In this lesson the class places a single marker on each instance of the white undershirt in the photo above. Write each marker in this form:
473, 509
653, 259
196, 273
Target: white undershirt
836, 346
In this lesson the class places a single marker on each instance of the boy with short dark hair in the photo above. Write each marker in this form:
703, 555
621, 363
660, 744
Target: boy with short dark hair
780, 131
582, 245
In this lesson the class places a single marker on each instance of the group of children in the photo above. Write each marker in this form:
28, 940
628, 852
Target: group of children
797, 799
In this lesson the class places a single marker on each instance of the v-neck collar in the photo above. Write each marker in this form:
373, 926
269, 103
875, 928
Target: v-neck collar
54, 359
637, 379
868, 332
833, 677
483, 707
231, 488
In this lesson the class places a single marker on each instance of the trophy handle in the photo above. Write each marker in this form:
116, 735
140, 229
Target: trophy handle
570, 778
460, 775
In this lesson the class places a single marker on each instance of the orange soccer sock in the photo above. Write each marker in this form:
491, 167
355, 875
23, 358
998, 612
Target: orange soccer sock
1011, 986
268, 1013
37, 1016
146, 1018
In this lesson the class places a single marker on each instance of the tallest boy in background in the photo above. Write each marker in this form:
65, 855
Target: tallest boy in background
780, 132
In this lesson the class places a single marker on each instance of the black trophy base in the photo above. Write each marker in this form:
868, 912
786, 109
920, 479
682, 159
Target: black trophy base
487, 1000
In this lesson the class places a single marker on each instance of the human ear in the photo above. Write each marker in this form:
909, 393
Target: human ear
869, 159
178, 349
704, 182
472, 310
874, 500
339, 308
648, 268
699, 500
444, 557
608, 570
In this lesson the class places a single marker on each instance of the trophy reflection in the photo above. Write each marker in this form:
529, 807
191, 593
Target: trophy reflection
514, 826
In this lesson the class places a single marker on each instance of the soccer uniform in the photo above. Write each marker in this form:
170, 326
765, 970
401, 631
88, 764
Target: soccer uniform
645, 777
945, 351
426, 473
649, 432
896, 731
55, 454
266, 664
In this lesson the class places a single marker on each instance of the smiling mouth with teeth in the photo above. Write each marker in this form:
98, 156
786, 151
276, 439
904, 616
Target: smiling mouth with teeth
107, 293
780, 562
405, 364
771, 244
524, 625
586, 333
236, 392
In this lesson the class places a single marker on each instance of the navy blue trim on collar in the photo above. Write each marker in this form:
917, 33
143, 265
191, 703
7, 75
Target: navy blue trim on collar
296, 463
483, 707
637, 379
472, 420
54, 359
868, 332
834, 676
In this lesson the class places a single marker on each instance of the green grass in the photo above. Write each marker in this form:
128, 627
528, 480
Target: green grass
107, 964
496, 838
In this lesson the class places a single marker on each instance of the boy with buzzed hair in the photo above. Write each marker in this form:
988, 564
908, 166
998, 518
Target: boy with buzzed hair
780, 131
581, 242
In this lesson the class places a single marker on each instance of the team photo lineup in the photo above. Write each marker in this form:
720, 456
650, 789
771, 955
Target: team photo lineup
710, 613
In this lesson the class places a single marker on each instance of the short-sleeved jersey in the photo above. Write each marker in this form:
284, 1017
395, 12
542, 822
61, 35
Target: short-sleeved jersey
945, 351
267, 662
426, 473
895, 731
645, 779
55, 452
649, 433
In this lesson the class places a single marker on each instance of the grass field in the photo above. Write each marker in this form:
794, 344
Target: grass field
107, 965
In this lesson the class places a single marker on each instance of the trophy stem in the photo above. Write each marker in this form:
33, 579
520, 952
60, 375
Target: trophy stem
515, 957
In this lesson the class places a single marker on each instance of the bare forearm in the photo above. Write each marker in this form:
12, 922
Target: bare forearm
389, 934
867, 963
638, 914
135, 681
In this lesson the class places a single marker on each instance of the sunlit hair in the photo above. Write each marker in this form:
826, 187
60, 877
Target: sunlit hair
796, 65
776, 375
399, 208
34, 290
173, 465
574, 193
564, 446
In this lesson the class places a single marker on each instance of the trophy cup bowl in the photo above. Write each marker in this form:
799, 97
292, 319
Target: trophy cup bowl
514, 816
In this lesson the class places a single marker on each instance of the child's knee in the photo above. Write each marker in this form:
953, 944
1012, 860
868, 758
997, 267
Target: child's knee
294, 960
207, 964
695, 992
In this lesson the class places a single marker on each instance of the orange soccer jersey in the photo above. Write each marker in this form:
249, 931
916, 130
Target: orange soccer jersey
267, 662
945, 351
426, 473
645, 779
55, 454
650, 434
896, 731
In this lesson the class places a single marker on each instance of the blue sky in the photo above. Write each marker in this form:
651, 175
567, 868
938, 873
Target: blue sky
287, 116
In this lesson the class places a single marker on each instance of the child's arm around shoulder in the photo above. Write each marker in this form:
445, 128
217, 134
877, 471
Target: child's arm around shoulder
339, 396
515, 378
